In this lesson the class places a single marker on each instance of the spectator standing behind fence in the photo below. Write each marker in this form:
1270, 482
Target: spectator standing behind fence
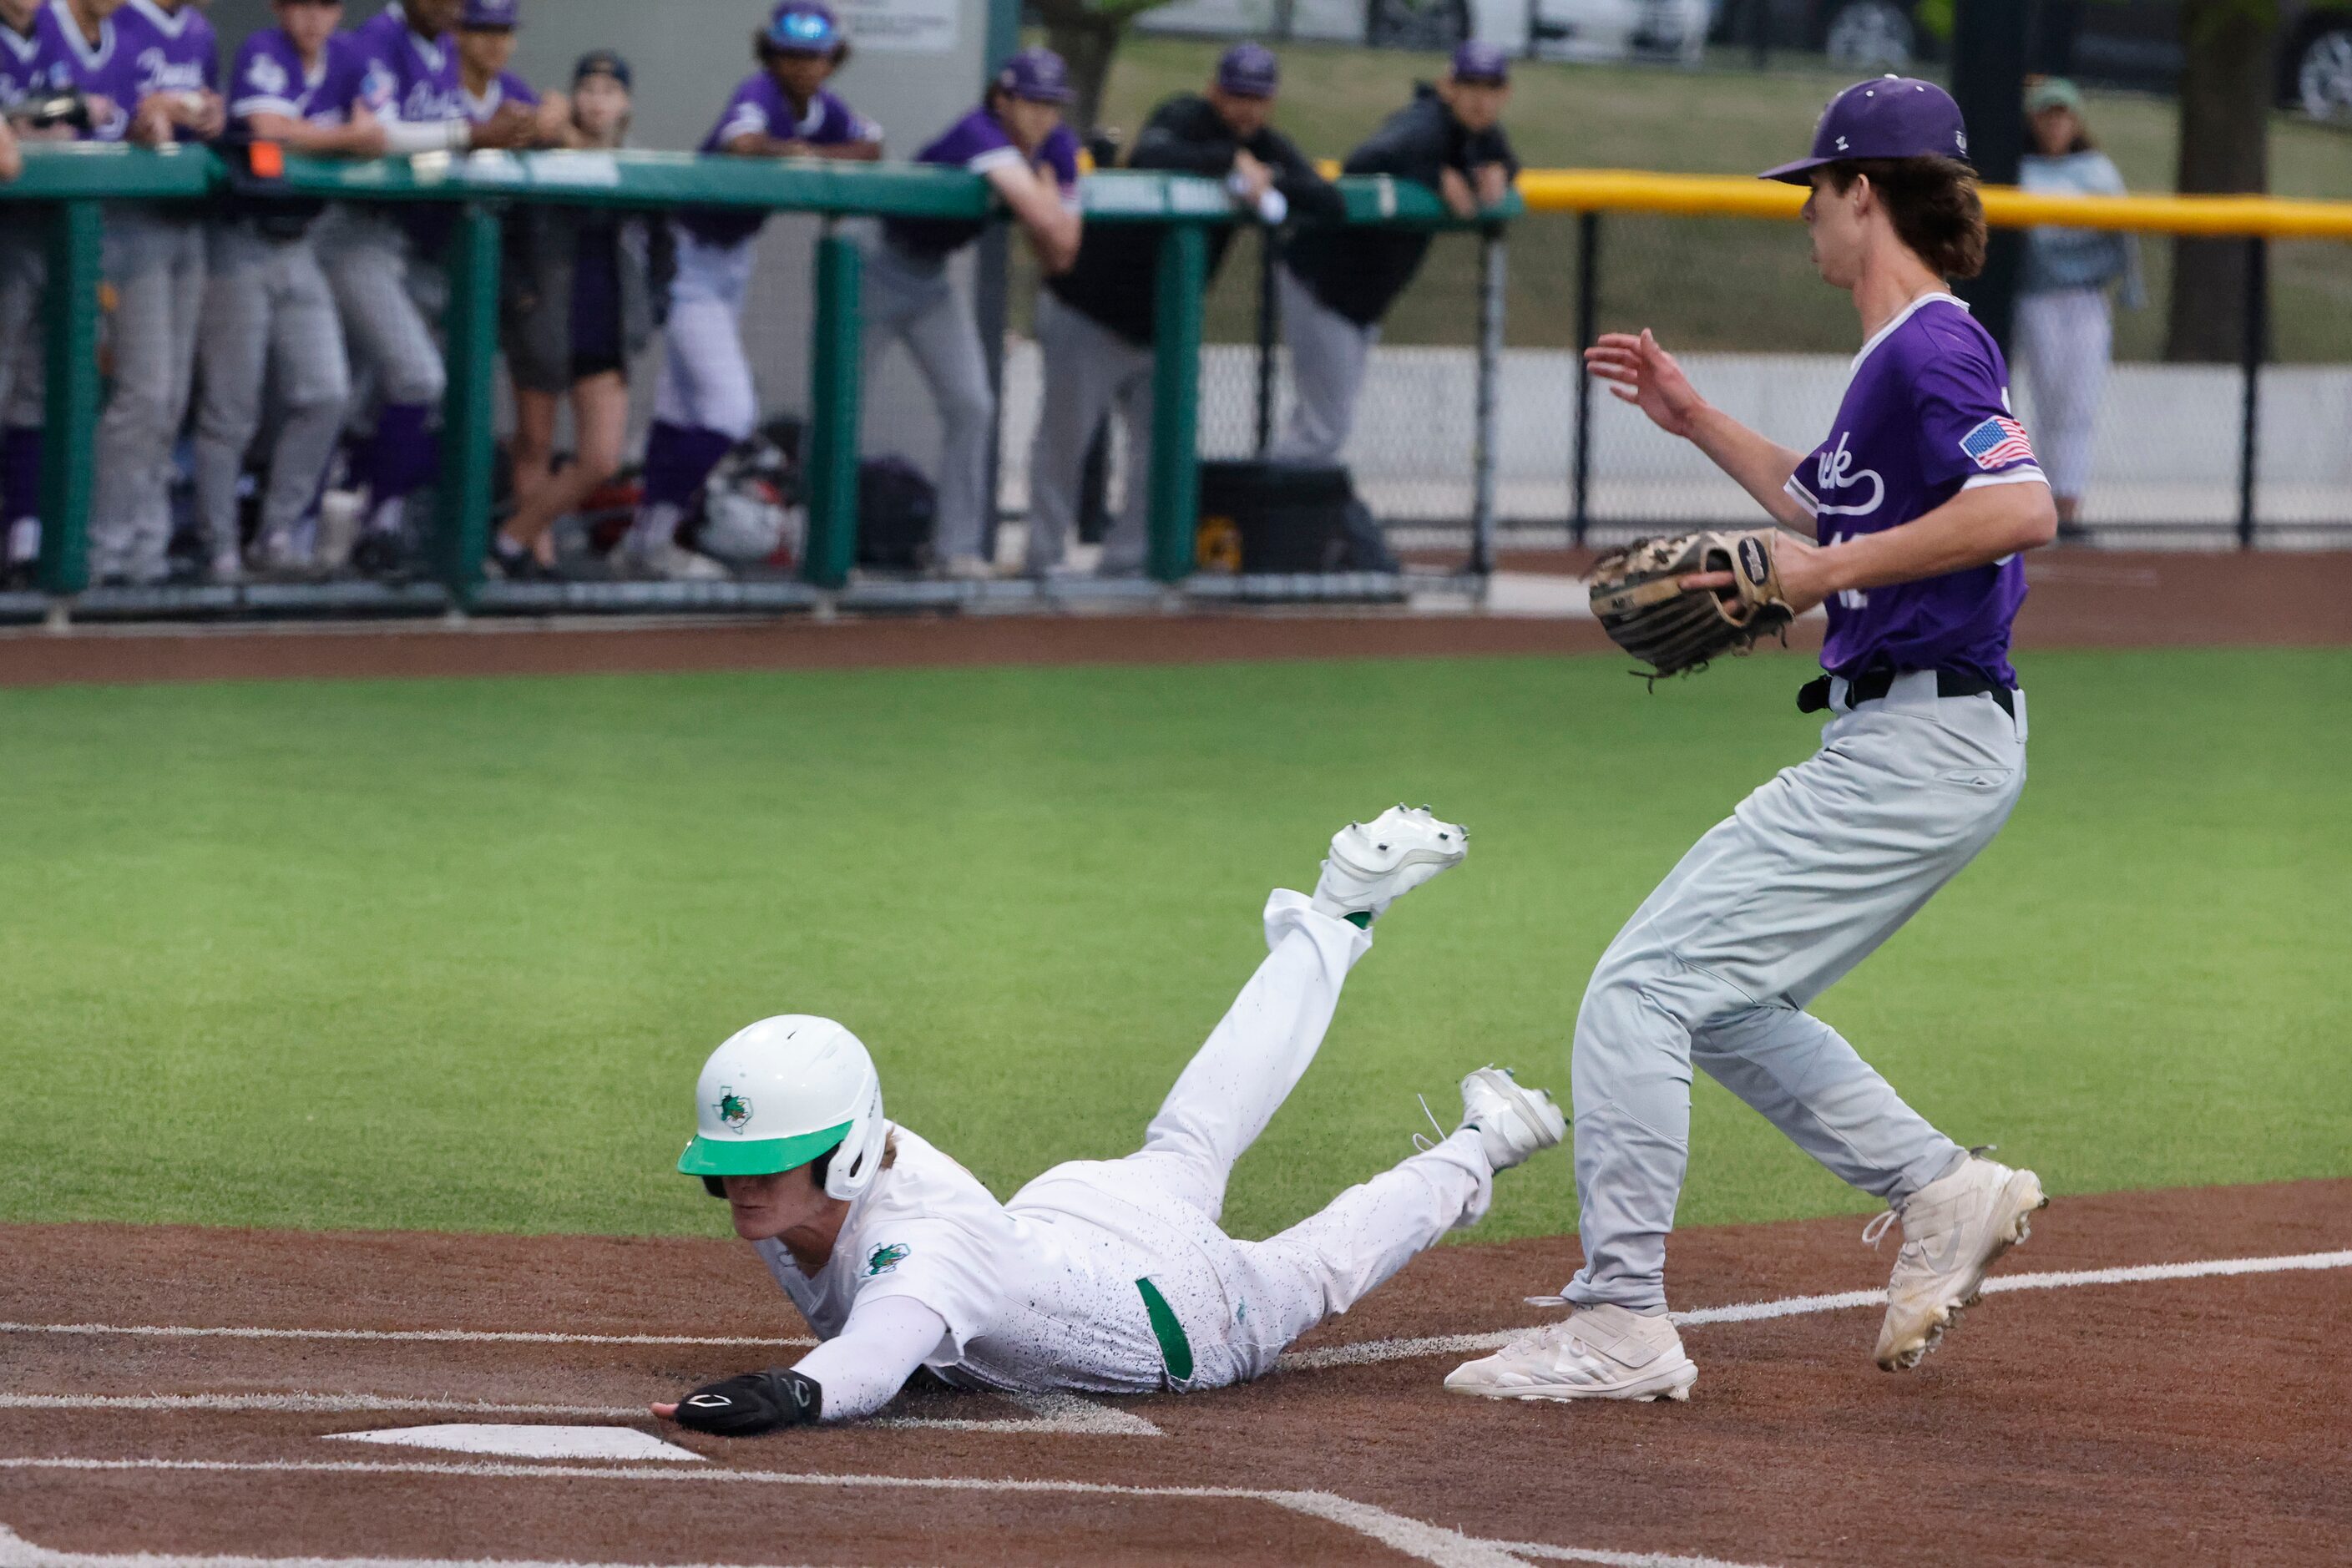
1016, 141
1336, 284
33, 73
386, 268
2065, 319
584, 288
154, 262
707, 401
270, 317
1096, 326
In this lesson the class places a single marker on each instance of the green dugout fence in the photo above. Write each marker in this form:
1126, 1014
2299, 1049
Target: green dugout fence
66, 190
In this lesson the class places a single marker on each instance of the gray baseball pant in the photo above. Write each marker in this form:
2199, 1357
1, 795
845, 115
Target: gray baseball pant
1328, 354
1088, 371
23, 347
368, 261
268, 309
1772, 907
155, 261
908, 299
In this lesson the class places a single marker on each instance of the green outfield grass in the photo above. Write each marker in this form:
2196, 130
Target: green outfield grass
1715, 284
447, 954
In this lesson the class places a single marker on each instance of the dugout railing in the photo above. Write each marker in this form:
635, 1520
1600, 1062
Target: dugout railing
67, 188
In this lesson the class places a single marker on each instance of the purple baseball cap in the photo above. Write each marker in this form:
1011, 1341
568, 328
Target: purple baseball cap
802, 27
491, 16
1035, 75
1482, 64
1249, 70
1893, 116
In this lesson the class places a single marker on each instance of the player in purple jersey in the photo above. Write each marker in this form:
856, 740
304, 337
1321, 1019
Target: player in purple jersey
1016, 141
1921, 498
31, 70
487, 32
96, 65
707, 401
269, 313
156, 264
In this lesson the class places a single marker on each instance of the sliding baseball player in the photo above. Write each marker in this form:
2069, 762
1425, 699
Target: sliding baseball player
1109, 1276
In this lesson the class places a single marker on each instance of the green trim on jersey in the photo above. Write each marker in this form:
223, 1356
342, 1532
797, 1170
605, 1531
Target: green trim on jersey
1175, 1350
758, 1156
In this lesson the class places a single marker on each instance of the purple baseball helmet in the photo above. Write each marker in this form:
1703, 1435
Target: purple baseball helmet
802, 27
1891, 117
491, 16
1249, 70
1035, 75
1482, 64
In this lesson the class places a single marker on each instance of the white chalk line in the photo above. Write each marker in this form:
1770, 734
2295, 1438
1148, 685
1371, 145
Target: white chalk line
1431, 1544
15, 1551
1050, 1414
396, 1336
1375, 1351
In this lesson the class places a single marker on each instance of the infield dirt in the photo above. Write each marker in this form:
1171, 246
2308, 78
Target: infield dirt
2191, 1420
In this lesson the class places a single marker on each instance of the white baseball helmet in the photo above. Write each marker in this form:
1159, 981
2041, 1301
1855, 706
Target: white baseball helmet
781, 1093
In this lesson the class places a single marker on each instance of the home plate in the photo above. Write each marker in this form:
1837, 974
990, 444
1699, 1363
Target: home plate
529, 1442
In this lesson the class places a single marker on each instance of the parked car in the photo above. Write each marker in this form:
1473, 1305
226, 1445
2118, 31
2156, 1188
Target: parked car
2105, 43
1672, 30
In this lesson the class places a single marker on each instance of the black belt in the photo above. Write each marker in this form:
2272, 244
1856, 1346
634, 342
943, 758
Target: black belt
1813, 697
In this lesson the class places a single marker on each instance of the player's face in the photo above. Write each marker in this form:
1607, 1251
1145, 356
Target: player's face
764, 1208
799, 75
1028, 123
308, 24
19, 14
1478, 105
2054, 131
97, 10
600, 108
487, 49
1835, 220
1245, 117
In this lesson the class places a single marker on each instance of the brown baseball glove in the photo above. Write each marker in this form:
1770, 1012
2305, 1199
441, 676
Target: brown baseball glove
1639, 599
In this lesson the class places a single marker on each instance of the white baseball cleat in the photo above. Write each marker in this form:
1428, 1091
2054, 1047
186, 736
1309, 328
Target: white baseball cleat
1953, 1230
1514, 1123
1597, 1352
1373, 864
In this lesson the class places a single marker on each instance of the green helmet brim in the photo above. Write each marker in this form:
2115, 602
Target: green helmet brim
758, 1156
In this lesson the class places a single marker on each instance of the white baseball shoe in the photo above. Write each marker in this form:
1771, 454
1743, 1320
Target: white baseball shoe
1515, 1124
1597, 1352
1953, 1229
1373, 864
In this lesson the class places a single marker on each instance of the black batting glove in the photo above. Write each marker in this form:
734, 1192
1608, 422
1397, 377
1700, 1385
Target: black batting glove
755, 1403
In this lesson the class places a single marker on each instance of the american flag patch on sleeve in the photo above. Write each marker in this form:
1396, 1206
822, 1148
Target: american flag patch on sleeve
1996, 443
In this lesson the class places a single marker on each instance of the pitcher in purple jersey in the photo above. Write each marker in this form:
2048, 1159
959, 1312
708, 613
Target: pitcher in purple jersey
707, 400
1015, 140
1921, 499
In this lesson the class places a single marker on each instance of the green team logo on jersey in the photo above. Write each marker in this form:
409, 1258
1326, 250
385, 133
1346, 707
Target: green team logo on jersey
734, 1110
886, 1257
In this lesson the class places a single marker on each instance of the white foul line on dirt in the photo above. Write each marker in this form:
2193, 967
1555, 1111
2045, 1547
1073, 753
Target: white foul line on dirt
15, 1551
1431, 1544
403, 1336
1050, 1414
1374, 1351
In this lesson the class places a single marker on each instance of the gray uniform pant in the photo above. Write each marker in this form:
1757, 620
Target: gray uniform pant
269, 310
908, 299
383, 292
1770, 908
23, 346
1088, 371
1327, 354
155, 262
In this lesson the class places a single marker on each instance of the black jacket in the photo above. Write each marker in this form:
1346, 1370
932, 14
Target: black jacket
1117, 269
1359, 272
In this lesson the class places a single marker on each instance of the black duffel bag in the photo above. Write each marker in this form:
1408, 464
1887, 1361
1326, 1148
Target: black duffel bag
1289, 517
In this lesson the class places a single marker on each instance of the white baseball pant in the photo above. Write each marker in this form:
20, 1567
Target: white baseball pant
706, 380
1328, 356
1088, 371
155, 262
909, 299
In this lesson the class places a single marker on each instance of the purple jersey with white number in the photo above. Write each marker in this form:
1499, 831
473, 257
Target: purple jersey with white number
978, 142
1925, 417
171, 51
103, 70
508, 89
32, 64
269, 77
423, 72
760, 107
